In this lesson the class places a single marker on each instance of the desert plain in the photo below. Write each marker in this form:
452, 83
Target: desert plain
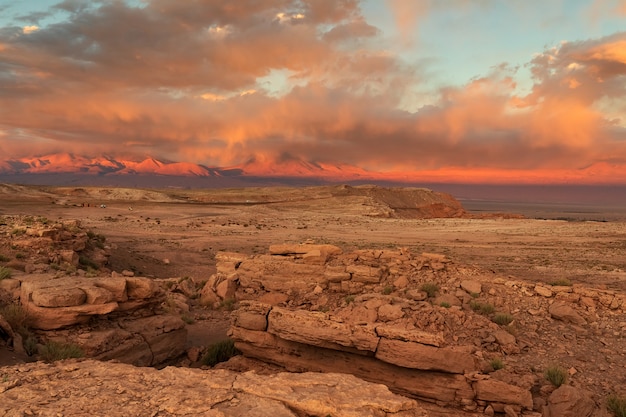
526, 261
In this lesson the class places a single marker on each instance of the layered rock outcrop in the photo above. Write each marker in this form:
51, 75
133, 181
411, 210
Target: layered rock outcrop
408, 361
419, 323
114, 317
79, 388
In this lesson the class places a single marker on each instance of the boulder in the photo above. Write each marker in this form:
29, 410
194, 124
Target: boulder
568, 401
58, 297
562, 311
390, 312
492, 390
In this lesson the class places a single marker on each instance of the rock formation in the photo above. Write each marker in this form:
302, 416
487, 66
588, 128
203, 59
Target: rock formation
79, 388
420, 324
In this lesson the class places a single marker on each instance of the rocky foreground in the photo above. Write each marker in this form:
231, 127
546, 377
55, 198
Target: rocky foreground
80, 388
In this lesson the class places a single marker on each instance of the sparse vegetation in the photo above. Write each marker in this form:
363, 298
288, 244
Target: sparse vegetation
563, 282
617, 405
349, 299
387, 290
188, 319
4, 273
20, 256
228, 304
557, 375
16, 316
219, 352
55, 351
4, 258
430, 288
482, 308
445, 304
88, 263
496, 364
503, 319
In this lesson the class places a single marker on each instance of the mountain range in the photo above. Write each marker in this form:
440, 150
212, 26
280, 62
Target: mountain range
601, 183
67, 163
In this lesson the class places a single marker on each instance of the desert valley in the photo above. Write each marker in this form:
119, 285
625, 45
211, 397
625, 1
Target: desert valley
322, 294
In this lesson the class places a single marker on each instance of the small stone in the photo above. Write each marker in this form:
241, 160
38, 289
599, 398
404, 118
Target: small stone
472, 287
543, 291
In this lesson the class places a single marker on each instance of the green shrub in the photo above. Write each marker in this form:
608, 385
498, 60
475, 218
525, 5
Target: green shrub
188, 319
86, 262
55, 351
430, 288
16, 316
556, 375
617, 405
219, 352
30, 343
4, 258
563, 282
4, 273
444, 304
228, 304
387, 290
503, 319
484, 309
496, 363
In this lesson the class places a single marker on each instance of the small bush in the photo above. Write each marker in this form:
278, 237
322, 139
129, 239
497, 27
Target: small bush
55, 351
228, 304
219, 352
86, 262
430, 288
484, 309
30, 343
563, 282
617, 405
444, 304
556, 375
4, 273
387, 290
16, 316
188, 319
4, 258
503, 319
496, 363
20, 256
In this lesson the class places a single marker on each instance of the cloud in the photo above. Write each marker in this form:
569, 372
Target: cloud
188, 81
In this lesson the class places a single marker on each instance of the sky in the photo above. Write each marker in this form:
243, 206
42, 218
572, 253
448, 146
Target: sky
456, 90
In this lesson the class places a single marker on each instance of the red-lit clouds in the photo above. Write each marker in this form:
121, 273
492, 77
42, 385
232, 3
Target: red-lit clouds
193, 81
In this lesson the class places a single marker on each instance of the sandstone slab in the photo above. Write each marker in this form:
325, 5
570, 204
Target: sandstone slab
428, 358
316, 329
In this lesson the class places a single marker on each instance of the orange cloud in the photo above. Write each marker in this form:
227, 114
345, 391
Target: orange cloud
163, 80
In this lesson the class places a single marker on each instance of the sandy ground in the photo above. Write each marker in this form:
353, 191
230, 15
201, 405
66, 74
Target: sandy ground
165, 239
